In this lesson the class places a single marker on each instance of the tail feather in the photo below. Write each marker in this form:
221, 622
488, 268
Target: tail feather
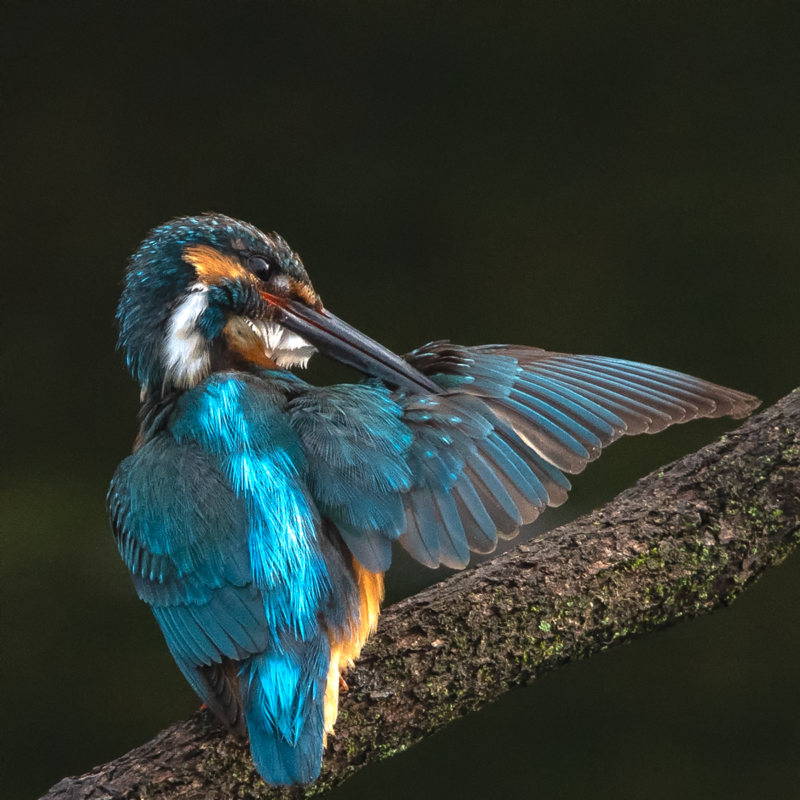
284, 764
283, 694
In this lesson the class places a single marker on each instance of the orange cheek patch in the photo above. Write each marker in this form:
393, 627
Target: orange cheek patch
211, 266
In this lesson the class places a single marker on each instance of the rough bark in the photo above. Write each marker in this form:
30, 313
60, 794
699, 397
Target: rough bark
681, 542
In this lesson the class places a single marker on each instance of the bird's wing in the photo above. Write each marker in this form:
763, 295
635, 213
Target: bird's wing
183, 534
448, 473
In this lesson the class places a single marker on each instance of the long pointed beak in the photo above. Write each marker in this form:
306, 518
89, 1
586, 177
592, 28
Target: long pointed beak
335, 338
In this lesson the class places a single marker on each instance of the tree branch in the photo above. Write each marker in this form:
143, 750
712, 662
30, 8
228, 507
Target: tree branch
681, 542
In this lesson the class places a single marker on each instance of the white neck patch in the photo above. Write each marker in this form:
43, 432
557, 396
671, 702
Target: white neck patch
185, 353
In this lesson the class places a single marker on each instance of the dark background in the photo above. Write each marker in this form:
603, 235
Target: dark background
620, 179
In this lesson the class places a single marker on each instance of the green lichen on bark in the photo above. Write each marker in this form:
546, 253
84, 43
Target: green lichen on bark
680, 543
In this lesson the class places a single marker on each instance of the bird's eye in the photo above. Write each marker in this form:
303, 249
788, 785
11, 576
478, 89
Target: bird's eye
260, 267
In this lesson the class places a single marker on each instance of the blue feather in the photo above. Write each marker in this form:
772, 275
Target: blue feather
225, 542
480, 530
372, 549
282, 693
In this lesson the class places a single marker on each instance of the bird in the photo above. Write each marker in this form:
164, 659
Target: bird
257, 513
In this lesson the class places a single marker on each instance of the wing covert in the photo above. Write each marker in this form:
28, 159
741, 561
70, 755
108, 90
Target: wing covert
356, 446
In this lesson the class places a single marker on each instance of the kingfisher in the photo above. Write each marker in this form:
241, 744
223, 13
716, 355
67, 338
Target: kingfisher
257, 512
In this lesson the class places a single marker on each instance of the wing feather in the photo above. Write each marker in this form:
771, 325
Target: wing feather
489, 452
187, 550
479, 529
539, 415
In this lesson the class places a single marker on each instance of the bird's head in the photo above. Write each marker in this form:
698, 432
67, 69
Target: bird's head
210, 292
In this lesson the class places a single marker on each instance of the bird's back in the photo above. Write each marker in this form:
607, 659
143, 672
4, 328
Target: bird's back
251, 587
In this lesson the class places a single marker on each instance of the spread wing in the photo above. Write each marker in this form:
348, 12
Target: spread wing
183, 534
447, 474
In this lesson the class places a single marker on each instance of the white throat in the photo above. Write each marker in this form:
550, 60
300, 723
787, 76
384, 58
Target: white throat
285, 348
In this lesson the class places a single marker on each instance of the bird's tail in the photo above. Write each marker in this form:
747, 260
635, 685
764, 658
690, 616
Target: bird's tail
283, 695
